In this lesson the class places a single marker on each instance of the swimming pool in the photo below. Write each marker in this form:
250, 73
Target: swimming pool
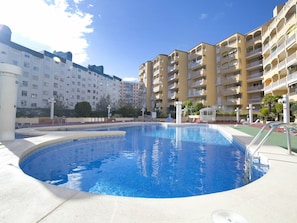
152, 161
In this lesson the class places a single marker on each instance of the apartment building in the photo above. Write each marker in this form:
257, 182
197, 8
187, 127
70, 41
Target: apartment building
145, 84
158, 97
254, 68
177, 78
280, 52
231, 73
47, 75
129, 94
239, 70
202, 74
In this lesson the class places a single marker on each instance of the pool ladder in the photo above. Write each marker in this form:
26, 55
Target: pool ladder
250, 154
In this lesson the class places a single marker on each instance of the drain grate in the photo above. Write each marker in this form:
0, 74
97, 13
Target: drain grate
224, 216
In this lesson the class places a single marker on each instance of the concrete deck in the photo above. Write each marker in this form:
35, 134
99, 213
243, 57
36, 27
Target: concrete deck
272, 198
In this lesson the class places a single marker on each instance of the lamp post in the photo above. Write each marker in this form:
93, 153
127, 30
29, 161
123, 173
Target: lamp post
52, 101
108, 111
250, 108
142, 110
237, 110
286, 108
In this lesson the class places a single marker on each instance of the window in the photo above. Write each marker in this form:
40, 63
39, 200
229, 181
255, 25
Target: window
27, 64
33, 105
24, 93
23, 103
25, 83
34, 95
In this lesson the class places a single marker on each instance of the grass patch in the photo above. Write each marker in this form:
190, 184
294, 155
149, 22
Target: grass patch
276, 138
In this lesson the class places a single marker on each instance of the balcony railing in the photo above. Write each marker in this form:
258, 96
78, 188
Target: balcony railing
276, 85
254, 76
172, 77
292, 59
255, 88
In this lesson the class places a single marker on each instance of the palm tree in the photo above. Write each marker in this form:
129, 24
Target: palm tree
270, 101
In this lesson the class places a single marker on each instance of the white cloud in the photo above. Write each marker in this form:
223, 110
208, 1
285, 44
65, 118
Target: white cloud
130, 79
54, 25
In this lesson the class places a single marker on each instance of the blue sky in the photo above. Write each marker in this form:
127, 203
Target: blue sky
123, 34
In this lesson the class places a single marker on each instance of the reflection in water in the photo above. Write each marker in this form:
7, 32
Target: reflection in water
150, 161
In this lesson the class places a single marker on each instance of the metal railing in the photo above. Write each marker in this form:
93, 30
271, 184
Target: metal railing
250, 155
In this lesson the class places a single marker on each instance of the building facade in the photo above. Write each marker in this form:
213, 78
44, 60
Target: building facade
236, 72
129, 94
280, 52
48, 75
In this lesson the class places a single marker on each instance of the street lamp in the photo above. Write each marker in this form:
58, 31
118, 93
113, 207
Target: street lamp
108, 109
237, 110
52, 101
286, 108
142, 110
250, 108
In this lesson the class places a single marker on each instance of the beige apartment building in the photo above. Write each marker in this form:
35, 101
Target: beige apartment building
159, 93
231, 73
177, 77
202, 74
280, 52
254, 68
234, 73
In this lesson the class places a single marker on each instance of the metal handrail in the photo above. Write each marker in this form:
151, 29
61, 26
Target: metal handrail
250, 156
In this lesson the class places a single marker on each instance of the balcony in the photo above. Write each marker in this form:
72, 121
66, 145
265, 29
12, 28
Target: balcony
157, 89
172, 95
172, 68
172, 77
193, 65
231, 101
291, 40
255, 100
254, 64
172, 86
292, 59
197, 74
280, 84
231, 91
254, 53
230, 79
255, 88
156, 81
197, 93
282, 65
198, 83
292, 78
254, 76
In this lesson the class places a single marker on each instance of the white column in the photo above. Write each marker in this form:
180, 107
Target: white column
251, 113
286, 108
237, 115
8, 99
178, 111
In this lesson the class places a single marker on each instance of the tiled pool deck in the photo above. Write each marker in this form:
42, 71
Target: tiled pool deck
271, 199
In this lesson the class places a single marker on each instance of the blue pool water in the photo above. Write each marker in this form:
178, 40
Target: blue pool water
151, 161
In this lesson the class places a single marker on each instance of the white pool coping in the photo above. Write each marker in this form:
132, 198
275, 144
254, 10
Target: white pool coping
272, 198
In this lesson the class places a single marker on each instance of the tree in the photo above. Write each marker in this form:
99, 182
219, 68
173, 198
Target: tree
188, 107
83, 109
101, 106
269, 101
198, 106
293, 109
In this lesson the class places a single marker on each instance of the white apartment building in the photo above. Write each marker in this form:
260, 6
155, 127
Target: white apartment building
48, 75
